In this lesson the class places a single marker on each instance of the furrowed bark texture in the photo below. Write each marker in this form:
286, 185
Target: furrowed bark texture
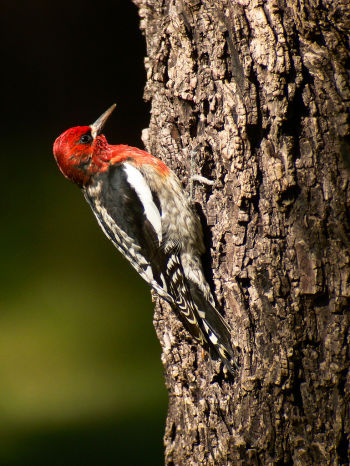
256, 93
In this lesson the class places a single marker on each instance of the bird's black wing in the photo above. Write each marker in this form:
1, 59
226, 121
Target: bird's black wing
131, 221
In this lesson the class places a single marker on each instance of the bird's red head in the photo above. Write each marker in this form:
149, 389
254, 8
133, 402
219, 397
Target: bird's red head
82, 151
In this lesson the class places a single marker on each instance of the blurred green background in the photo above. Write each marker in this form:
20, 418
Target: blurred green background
80, 372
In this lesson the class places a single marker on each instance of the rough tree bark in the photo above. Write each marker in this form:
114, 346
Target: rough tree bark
257, 93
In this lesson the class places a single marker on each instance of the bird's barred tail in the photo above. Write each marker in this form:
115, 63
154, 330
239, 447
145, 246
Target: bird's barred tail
199, 316
215, 329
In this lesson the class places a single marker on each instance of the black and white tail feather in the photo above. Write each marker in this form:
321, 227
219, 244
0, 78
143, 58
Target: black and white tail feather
199, 316
145, 226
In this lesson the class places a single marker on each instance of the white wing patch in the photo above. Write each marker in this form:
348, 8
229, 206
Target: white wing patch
138, 182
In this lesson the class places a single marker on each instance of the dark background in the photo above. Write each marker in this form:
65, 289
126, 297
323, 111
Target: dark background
80, 372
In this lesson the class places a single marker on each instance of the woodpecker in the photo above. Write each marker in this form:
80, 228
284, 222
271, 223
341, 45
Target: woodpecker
140, 206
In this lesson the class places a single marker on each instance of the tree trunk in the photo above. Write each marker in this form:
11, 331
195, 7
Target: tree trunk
253, 94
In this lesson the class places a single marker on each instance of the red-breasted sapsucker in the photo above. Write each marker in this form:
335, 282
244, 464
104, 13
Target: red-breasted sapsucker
142, 209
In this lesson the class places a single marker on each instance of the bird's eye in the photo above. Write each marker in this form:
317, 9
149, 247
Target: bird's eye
85, 139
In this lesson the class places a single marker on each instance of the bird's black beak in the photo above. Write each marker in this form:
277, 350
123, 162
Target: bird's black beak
97, 127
